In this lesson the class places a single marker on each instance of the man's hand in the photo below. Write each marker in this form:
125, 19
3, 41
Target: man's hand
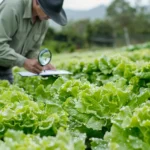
33, 65
49, 67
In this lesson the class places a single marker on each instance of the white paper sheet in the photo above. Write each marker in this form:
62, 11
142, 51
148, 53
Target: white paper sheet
45, 73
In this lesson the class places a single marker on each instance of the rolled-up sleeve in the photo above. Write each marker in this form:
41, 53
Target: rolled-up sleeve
8, 27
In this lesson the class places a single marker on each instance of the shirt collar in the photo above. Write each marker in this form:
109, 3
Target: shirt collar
28, 9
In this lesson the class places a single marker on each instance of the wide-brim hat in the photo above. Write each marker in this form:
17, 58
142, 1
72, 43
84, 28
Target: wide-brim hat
53, 8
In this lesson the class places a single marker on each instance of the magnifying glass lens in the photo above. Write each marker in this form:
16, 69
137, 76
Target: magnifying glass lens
44, 57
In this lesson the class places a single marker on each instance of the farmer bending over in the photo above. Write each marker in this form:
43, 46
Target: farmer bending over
23, 25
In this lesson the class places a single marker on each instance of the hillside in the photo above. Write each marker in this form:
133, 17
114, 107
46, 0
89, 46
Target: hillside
92, 14
95, 13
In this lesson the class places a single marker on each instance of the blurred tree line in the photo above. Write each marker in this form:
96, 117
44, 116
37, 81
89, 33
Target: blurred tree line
122, 21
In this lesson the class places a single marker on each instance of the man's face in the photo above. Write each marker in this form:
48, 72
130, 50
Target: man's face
42, 16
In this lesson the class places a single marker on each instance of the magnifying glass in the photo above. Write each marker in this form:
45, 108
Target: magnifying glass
44, 57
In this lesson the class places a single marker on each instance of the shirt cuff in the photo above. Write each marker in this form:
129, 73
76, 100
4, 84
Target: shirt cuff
20, 60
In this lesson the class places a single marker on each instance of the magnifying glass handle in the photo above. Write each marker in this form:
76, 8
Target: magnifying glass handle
44, 69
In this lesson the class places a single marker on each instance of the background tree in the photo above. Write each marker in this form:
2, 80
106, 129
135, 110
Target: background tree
121, 15
100, 32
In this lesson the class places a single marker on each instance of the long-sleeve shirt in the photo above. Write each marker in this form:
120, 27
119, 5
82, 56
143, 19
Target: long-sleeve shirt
20, 38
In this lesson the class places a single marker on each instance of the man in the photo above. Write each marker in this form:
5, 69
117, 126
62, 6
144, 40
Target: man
23, 25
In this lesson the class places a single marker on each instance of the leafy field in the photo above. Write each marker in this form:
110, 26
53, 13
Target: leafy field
104, 105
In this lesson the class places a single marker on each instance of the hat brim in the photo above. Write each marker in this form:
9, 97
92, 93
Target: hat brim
59, 18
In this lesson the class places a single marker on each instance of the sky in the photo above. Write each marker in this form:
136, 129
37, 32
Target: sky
89, 4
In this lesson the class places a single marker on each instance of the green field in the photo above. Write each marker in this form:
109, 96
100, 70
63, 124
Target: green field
82, 55
103, 105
